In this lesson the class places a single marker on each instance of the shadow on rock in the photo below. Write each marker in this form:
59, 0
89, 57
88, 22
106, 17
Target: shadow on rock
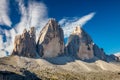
62, 60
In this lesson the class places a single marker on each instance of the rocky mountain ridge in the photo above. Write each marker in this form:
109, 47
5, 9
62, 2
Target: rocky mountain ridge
25, 44
51, 43
51, 40
50, 59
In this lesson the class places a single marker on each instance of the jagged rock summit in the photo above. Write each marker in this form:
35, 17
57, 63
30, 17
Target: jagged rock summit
51, 43
82, 46
51, 40
25, 44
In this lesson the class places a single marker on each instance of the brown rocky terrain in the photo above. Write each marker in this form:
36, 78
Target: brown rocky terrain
45, 70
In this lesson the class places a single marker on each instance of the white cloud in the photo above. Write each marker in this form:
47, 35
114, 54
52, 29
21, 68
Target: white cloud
37, 13
69, 25
37, 16
33, 15
4, 18
1, 42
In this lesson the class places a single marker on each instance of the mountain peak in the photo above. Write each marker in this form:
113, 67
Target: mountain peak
52, 21
51, 40
51, 43
24, 44
77, 30
81, 45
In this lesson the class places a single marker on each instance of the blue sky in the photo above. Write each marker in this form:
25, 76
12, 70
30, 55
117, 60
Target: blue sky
103, 26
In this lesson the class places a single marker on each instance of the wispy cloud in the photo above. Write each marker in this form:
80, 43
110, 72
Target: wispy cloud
1, 42
68, 25
4, 12
33, 15
37, 16
37, 13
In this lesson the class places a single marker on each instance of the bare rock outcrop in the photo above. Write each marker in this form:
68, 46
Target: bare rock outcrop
82, 46
51, 40
25, 44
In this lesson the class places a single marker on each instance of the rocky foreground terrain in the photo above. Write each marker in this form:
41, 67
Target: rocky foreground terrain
50, 59
22, 68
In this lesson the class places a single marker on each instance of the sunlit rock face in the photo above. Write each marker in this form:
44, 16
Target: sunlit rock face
80, 44
25, 44
51, 40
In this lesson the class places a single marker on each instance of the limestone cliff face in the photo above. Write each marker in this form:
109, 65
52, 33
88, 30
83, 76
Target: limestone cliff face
51, 43
25, 45
51, 40
81, 45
